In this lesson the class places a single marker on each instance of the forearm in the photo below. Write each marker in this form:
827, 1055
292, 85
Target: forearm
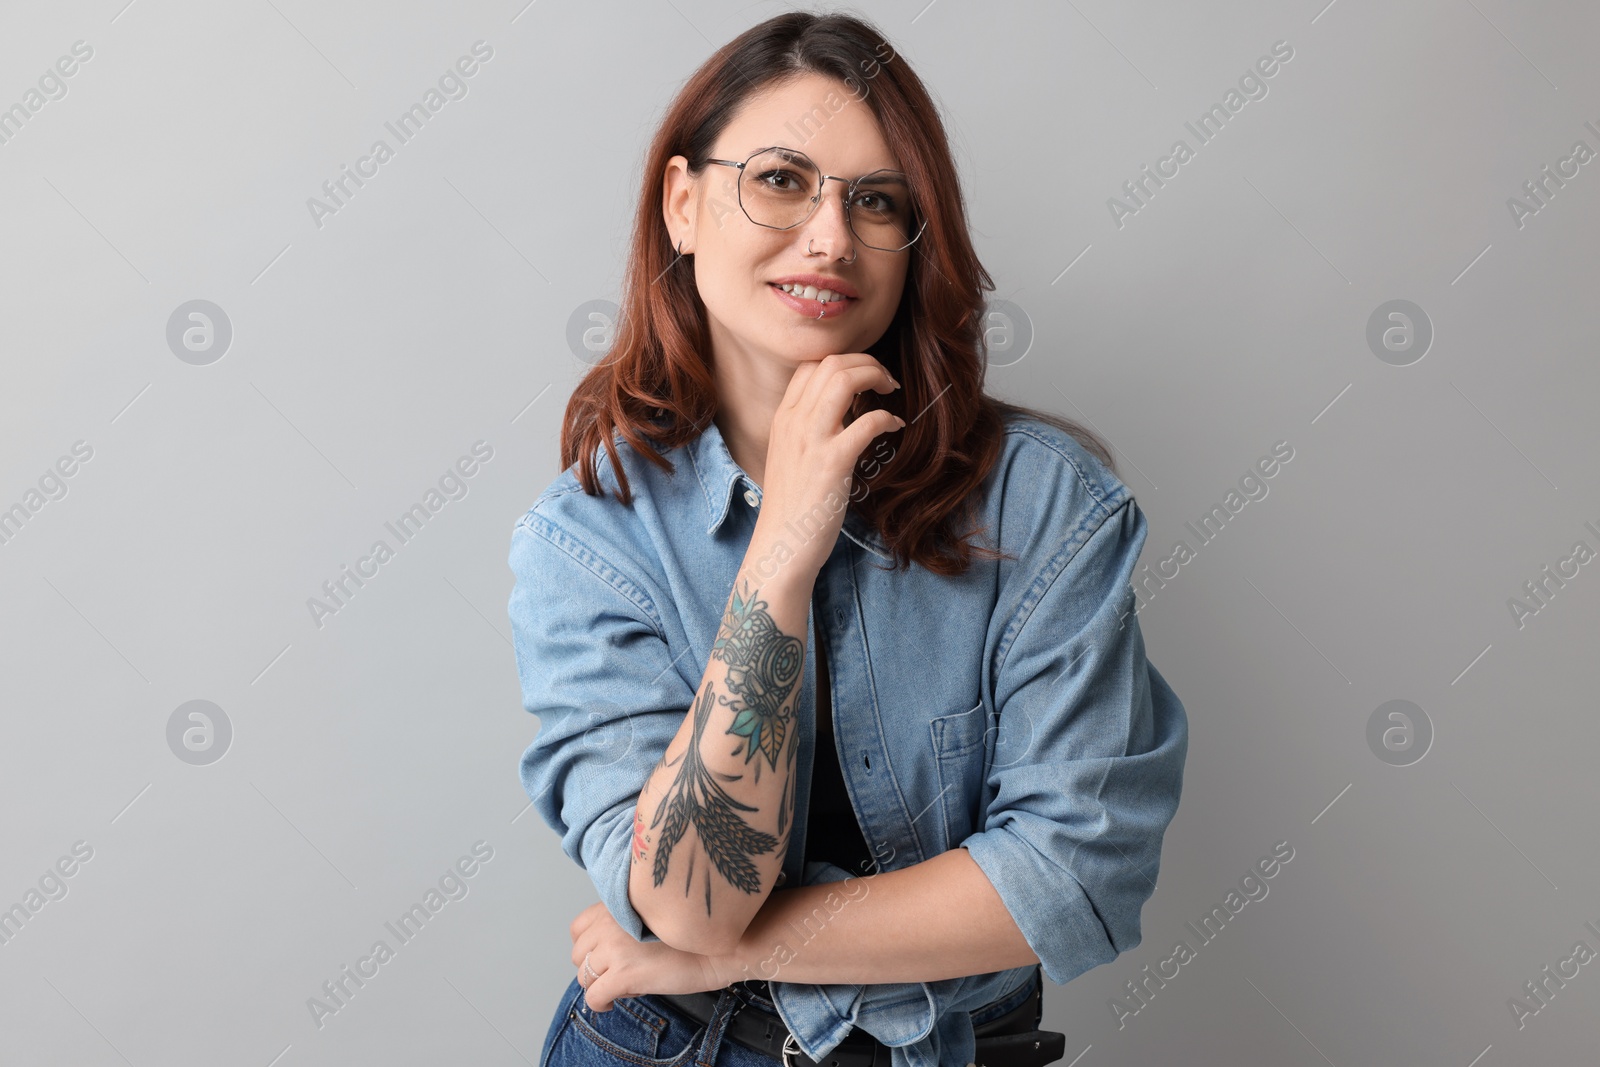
937, 919
708, 839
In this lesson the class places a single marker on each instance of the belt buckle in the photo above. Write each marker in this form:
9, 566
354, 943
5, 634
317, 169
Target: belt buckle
788, 1039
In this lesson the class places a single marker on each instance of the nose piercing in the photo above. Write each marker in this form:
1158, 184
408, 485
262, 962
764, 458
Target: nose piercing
812, 253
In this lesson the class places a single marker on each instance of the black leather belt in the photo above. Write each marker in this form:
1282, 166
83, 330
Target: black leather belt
1010, 1040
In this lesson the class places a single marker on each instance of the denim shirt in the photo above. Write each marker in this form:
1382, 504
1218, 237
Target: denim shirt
1010, 711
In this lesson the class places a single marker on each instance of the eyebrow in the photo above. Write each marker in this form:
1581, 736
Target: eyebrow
890, 172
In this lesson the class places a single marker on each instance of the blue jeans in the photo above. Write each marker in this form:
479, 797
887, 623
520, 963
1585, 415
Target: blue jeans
643, 1031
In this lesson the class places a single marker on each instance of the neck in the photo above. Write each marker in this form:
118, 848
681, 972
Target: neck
745, 430
751, 385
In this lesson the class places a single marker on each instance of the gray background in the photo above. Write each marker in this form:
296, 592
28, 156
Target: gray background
370, 353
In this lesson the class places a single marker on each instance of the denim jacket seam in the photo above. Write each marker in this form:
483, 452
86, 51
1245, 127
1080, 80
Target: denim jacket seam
1099, 498
595, 564
1053, 569
554, 492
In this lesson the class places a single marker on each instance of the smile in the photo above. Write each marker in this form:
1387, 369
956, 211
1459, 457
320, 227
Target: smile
812, 302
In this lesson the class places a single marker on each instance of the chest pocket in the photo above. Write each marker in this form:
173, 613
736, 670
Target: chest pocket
960, 751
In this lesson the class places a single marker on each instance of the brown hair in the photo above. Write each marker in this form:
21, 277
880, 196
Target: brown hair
655, 386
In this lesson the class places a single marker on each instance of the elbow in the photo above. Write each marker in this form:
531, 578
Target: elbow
1123, 937
693, 934
700, 938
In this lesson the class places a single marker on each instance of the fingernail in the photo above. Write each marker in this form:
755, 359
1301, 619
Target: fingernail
901, 421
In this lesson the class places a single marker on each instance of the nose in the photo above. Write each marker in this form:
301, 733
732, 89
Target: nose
828, 227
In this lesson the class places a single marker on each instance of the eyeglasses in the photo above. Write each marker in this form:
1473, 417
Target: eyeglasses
780, 188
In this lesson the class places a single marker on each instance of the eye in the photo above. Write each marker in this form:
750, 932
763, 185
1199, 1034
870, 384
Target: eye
874, 201
780, 180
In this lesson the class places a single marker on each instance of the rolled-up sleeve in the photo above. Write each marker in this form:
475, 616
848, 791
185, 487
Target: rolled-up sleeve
595, 668
1088, 761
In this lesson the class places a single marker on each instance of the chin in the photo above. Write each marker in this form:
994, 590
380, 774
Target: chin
813, 353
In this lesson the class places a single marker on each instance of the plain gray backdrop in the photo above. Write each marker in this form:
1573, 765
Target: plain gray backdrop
229, 458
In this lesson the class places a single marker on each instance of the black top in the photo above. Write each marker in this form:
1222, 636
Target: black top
832, 832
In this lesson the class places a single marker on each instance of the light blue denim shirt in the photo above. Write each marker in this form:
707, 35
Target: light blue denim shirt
1010, 711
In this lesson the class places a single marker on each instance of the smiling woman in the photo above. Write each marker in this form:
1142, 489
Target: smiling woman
904, 643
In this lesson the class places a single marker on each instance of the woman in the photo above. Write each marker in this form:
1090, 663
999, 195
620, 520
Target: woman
767, 720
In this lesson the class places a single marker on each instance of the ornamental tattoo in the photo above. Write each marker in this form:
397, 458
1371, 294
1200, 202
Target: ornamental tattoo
764, 667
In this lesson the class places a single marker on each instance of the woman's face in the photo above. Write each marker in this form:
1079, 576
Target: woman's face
738, 263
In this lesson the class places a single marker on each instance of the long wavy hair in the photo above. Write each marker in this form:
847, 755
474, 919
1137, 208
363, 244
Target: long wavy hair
655, 387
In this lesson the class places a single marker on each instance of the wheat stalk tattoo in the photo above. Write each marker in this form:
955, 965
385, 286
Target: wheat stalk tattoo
764, 665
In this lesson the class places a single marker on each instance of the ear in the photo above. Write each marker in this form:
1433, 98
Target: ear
679, 207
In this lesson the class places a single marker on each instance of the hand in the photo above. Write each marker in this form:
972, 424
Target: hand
628, 968
811, 453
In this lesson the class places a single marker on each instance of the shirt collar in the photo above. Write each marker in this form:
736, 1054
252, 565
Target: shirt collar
719, 476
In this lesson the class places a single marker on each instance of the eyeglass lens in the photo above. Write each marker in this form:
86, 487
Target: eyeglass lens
778, 188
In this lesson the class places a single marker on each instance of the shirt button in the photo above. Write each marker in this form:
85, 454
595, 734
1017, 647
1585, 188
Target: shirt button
751, 498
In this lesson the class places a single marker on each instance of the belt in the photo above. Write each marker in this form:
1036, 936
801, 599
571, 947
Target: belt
1007, 1041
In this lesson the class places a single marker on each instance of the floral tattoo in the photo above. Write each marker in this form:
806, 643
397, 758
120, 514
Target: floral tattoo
764, 666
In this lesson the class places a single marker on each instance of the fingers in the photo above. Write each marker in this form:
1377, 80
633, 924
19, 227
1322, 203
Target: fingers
598, 995
582, 945
842, 388
860, 371
859, 434
797, 384
585, 919
595, 994
837, 395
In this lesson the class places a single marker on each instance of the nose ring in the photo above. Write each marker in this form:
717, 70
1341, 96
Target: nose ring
852, 258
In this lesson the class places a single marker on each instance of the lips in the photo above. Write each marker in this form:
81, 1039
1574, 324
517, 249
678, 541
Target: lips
812, 308
819, 281
812, 292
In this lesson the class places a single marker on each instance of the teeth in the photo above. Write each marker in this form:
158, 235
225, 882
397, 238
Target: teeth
811, 292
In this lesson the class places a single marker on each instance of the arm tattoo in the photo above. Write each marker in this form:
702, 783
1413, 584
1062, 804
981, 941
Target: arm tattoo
764, 667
